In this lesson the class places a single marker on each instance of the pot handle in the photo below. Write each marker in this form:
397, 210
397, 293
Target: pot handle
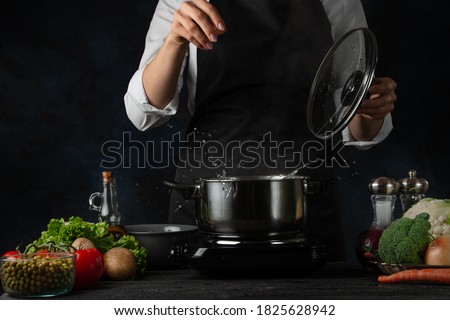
187, 191
313, 187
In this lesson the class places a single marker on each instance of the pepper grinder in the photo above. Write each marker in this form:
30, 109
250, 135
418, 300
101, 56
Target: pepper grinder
412, 190
383, 196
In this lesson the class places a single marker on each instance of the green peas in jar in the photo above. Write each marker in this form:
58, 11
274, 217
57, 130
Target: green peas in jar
38, 274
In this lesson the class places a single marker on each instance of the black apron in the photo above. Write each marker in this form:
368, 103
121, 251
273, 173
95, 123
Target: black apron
251, 93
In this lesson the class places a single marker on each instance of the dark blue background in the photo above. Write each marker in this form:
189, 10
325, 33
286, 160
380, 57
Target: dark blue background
65, 66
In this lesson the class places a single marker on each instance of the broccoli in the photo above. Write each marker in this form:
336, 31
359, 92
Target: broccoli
405, 240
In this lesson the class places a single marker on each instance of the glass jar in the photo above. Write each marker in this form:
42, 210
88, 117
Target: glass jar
108, 208
383, 202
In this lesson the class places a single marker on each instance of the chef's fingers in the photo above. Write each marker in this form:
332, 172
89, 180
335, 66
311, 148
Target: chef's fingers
187, 21
192, 23
382, 85
376, 108
377, 101
184, 28
382, 98
213, 14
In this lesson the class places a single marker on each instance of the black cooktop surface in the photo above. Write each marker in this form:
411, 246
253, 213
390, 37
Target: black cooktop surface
234, 257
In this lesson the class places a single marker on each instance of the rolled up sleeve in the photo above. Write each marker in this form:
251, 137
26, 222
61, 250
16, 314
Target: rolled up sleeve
140, 112
385, 130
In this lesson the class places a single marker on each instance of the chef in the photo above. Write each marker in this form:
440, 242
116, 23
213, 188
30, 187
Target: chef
248, 65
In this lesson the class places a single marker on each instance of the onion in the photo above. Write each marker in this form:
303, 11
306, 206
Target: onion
438, 251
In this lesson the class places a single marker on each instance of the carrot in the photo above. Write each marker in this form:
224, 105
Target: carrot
430, 275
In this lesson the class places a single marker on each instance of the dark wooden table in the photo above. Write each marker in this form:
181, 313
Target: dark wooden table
334, 281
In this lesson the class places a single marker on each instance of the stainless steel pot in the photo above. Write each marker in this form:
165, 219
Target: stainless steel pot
256, 206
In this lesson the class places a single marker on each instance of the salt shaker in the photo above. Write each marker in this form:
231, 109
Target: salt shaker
412, 190
383, 190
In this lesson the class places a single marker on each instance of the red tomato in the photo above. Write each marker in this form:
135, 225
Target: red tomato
9, 253
89, 267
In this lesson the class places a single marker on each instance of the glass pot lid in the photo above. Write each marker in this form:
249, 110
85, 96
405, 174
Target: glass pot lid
341, 82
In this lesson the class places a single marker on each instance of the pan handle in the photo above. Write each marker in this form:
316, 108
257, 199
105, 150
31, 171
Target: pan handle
316, 187
187, 191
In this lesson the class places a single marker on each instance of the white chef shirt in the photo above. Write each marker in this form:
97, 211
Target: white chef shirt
343, 15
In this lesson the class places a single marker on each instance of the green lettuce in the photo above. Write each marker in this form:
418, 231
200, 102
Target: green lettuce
64, 232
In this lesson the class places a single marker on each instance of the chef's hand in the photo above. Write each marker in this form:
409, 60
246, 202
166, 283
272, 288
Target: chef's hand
381, 101
198, 22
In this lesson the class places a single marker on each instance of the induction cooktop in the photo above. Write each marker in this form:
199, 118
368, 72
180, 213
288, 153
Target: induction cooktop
212, 256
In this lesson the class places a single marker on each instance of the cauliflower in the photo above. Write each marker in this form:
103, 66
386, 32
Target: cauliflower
405, 240
439, 211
